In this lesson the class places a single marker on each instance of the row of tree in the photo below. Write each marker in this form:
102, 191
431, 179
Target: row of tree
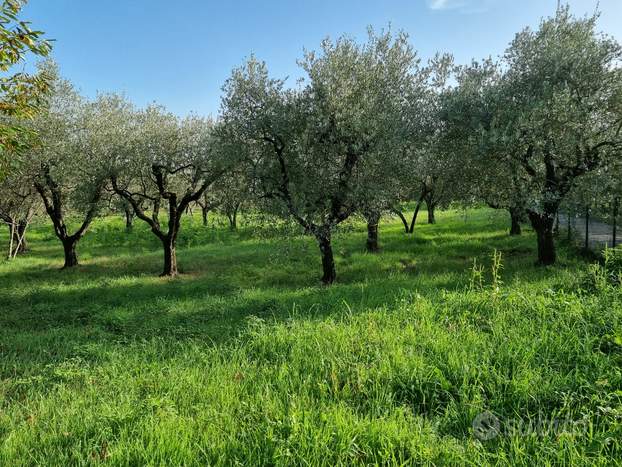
369, 128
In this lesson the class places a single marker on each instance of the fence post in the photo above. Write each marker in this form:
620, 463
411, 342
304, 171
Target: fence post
587, 225
11, 240
615, 220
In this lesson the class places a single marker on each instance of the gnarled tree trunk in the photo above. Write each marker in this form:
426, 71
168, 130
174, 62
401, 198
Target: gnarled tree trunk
71, 253
232, 215
402, 218
51, 194
516, 218
169, 239
204, 212
326, 251
170, 257
415, 214
176, 208
19, 237
372, 218
129, 218
431, 208
543, 225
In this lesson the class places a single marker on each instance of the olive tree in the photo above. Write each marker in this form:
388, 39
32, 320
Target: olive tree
208, 202
164, 163
231, 191
484, 169
429, 175
319, 153
19, 203
552, 114
561, 112
64, 171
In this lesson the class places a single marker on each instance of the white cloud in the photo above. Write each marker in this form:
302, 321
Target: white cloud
446, 4
437, 4
465, 6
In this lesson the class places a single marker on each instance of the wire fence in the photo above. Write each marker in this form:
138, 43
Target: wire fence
593, 228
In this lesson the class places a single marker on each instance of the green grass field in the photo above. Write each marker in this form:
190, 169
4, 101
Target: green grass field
246, 359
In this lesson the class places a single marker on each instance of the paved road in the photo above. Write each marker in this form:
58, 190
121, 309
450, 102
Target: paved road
599, 232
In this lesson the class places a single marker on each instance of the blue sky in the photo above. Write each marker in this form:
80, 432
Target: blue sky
179, 53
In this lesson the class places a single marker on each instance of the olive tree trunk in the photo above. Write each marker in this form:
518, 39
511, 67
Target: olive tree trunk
326, 251
402, 218
515, 216
372, 218
129, 218
543, 225
19, 237
431, 209
53, 200
232, 215
170, 257
415, 214
71, 252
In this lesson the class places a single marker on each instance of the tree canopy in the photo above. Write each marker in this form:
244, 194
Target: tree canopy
21, 94
549, 113
319, 153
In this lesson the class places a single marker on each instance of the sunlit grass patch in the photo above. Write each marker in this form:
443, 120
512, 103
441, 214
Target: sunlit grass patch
247, 358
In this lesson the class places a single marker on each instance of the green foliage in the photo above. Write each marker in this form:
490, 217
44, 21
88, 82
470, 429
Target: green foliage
21, 95
241, 360
244, 358
535, 124
604, 277
334, 146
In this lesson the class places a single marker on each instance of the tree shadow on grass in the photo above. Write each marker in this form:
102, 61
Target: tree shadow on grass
118, 298
213, 302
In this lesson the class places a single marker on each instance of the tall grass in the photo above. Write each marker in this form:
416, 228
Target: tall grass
245, 359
